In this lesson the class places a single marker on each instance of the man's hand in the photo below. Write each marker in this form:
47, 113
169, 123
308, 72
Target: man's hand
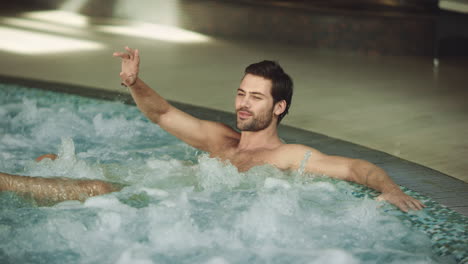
401, 200
130, 65
47, 156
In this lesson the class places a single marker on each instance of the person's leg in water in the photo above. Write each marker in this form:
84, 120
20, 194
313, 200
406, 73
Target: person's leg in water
55, 190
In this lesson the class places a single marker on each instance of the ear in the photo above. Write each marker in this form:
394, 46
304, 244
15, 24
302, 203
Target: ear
280, 107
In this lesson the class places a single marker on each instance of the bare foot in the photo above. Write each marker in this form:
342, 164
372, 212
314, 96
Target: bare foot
46, 156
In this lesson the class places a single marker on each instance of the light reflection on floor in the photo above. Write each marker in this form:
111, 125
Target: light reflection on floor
27, 42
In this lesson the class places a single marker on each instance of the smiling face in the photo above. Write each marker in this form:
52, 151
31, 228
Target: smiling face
254, 103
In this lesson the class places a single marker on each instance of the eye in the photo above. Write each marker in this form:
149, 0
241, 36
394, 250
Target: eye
240, 94
257, 98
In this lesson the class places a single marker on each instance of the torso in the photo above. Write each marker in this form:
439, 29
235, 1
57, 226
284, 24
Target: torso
244, 160
280, 155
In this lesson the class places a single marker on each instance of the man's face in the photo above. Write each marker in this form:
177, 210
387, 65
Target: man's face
254, 103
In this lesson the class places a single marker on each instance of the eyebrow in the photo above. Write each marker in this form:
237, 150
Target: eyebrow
254, 93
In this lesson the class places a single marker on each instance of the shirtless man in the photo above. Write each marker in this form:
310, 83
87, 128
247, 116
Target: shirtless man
262, 100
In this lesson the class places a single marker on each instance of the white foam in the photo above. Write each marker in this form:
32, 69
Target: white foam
217, 260
271, 183
110, 221
67, 150
115, 127
335, 256
15, 140
163, 164
325, 186
174, 210
128, 257
29, 113
51, 126
155, 192
69, 205
6, 155
215, 175
168, 203
66, 165
105, 202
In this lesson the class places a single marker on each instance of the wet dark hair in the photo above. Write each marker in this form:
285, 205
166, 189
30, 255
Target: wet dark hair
282, 84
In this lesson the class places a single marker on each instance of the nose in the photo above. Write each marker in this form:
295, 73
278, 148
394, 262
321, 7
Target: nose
245, 101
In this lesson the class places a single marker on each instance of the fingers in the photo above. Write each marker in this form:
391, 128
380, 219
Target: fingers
413, 206
402, 206
121, 55
130, 54
46, 156
404, 203
380, 198
129, 49
137, 56
418, 204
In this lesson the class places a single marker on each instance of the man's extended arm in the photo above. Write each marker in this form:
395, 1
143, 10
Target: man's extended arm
359, 171
54, 190
148, 101
198, 133
366, 173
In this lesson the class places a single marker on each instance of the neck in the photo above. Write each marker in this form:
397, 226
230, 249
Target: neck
266, 138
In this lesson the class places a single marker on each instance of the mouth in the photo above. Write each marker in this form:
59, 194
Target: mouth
243, 114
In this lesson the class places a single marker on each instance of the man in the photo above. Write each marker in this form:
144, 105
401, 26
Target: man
262, 100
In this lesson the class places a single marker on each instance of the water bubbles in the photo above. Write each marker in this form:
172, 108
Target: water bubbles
66, 165
29, 112
67, 150
215, 175
335, 256
271, 183
130, 256
217, 260
178, 206
115, 127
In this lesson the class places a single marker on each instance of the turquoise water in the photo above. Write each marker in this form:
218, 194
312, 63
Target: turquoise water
181, 206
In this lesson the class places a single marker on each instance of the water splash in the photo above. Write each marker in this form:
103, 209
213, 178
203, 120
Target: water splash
304, 162
179, 206
66, 165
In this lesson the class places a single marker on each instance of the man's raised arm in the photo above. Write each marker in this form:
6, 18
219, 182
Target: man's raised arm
193, 131
147, 100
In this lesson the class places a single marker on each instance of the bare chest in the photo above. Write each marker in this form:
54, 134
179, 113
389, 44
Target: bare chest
245, 160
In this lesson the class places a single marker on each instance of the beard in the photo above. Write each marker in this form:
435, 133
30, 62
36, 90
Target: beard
255, 123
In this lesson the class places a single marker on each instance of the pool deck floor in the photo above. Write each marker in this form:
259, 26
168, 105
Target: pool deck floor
398, 111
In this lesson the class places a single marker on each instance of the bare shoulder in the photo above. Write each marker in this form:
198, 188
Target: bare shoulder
296, 149
218, 135
318, 162
292, 155
220, 129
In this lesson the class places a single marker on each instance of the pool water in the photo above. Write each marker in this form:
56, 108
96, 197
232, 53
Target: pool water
181, 206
